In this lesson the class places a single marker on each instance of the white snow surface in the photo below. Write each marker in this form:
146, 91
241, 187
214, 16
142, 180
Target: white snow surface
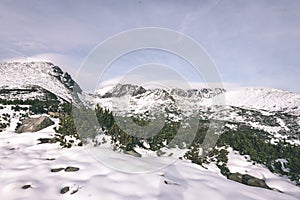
23, 74
243, 165
104, 90
264, 98
24, 162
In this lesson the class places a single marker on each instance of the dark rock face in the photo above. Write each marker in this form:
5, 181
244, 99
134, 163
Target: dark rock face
71, 169
24, 187
202, 93
64, 78
133, 153
48, 140
67, 169
235, 177
34, 124
64, 190
248, 180
57, 169
127, 89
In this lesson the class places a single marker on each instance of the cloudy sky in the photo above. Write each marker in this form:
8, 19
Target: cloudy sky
252, 43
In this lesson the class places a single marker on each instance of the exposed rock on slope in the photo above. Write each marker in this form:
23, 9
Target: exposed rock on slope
34, 124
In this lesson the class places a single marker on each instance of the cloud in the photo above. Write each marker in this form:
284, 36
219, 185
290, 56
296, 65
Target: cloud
250, 42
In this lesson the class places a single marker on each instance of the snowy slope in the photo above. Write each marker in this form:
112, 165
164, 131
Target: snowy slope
264, 98
244, 165
24, 162
252, 98
262, 108
139, 100
43, 74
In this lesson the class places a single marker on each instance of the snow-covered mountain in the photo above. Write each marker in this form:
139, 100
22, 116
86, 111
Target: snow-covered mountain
250, 116
120, 90
266, 102
140, 100
264, 98
274, 111
30, 80
25, 75
268, 99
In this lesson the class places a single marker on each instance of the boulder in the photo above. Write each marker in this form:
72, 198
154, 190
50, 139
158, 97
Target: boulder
252, 181
133, 153
237, 177
34, 124
65, 190
71, 169
25, 187
57, 169
248, 180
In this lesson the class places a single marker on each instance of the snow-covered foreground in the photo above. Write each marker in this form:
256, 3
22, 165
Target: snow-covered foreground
25, 162
243, 165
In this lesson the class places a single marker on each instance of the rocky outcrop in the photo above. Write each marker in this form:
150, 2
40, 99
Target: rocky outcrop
127, 89
34, 124
133, 153
248, 180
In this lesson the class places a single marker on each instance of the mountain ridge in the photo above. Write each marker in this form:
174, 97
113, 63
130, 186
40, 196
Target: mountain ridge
24, 74
16, 75
259, 98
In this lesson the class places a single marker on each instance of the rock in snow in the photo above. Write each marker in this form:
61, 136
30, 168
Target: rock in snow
34, 124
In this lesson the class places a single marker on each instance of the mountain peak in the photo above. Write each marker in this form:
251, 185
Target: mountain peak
120, 90
22, 74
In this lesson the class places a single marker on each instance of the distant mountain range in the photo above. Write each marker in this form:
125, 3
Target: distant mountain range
25, 75
29, 80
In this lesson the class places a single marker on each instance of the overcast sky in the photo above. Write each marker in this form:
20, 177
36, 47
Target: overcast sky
252, 43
